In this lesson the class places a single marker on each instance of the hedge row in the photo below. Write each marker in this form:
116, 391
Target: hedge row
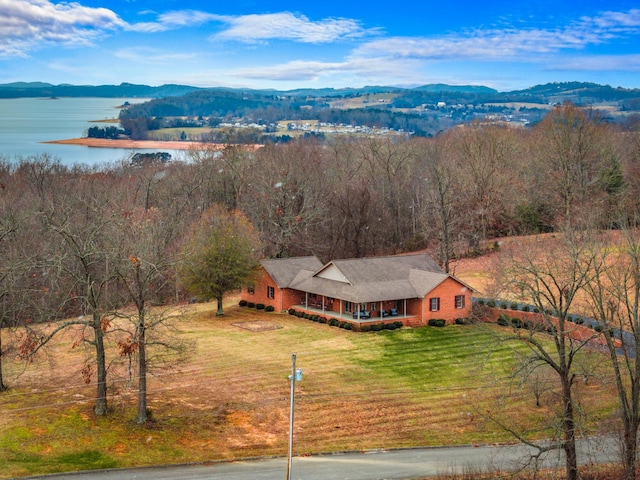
333, 322
257, 306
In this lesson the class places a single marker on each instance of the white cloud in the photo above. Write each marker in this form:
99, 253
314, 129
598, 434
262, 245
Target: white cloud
26, 23
287, 26
600, 63
176, 19
508, 43
146, 55
394, 70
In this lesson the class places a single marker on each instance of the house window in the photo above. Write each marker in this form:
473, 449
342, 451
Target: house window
271, 292
251, 289
434, 304
459, 301
347, 307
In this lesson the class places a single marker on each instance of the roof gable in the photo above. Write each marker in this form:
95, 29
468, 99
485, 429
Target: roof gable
284, 271
375, 278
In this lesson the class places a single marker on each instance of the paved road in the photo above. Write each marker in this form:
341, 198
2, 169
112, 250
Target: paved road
375, 465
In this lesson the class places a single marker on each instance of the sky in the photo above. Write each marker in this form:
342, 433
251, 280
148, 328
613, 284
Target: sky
506, 45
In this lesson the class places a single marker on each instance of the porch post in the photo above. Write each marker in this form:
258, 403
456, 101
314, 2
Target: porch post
306, 300
405, 307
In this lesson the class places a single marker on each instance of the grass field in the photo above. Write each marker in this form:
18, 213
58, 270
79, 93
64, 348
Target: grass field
230, 399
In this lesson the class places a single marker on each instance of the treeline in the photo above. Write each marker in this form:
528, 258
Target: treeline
335, 198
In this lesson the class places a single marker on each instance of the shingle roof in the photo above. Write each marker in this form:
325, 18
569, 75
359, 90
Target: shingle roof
285, 270
374, 279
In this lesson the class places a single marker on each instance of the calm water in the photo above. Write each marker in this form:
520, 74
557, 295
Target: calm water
26, 122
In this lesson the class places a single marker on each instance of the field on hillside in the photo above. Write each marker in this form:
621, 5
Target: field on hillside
230, 398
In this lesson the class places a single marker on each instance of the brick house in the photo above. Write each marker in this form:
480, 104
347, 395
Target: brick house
410, 288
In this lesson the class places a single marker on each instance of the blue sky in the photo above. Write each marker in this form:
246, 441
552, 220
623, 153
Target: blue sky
506, 45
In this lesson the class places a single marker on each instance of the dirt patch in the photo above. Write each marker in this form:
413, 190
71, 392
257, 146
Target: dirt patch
257, 325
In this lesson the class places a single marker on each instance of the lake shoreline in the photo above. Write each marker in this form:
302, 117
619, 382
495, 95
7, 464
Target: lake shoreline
137, 144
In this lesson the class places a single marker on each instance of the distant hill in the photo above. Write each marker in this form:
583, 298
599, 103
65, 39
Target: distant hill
124, 90
578, 92
441, 87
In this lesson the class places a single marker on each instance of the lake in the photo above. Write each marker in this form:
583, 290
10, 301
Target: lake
26, 122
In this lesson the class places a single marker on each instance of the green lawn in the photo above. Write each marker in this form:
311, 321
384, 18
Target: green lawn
408, 387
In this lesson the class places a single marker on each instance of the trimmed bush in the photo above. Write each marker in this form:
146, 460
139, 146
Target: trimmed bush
504, 305
491, 304
437, 322
365, 328
399, 324
260, 306
333, 322
292, 311
516, 322
514, 306
462, 321
348, 326
503, 320
536, 310
526, 308
579, 321
322, 320
269, 308
315, 318
390, 326
242, 303
598, 328
251, 305
299, 314
480, 301
376, 327
306, 316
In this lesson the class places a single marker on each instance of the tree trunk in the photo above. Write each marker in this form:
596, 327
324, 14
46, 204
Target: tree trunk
101, 399
142, 374
3, 387
220, 312
569, 431
630, 451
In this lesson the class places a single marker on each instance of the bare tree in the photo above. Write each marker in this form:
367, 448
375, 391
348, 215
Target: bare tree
614, 295
80, 215
143, 260
437, 195
551, 278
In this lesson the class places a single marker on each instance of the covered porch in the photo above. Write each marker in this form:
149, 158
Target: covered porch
375, 311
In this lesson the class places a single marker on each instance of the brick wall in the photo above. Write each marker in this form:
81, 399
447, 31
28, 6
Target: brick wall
447, 292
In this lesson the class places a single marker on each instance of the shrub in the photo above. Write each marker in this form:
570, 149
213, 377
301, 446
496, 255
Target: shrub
536, 309
516, 322
251, 305
491, 304
514, 306
299, 314
322, 320
333, 322
579, 321
242, 303
315, 318
260, 306
306, 316
292, 311
598, 328
390, 326
269, 308
437, 322
503, 320
480, 301
462, 321
399, 324
376, 327
504, 305
365, 328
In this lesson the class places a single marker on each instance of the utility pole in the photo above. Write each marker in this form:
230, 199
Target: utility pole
296, 375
